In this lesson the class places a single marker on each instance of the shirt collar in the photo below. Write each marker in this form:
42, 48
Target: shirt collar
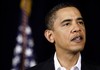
57, 64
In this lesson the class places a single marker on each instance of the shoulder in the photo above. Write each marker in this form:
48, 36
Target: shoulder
46, 65
94, 67
88, 66
37, 67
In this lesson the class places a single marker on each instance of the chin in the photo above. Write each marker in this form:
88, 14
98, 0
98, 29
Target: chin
77, 49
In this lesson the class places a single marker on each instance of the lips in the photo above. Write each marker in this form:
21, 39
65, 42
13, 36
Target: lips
77, 38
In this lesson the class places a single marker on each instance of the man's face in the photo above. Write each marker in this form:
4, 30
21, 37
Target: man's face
69, 30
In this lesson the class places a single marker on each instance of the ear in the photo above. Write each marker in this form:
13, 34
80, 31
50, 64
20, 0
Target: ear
49, 35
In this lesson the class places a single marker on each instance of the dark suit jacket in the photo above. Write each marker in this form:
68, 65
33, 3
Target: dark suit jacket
49, 65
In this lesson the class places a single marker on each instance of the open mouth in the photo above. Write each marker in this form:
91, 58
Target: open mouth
78, 38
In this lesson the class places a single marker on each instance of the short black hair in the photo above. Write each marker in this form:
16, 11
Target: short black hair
51, 15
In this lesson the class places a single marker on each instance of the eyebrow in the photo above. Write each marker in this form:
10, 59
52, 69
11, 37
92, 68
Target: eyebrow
80, 18
68, 20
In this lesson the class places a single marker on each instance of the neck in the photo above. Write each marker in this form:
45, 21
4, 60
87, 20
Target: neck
67, 59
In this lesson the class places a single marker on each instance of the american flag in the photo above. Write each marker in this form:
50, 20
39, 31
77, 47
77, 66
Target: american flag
23, 51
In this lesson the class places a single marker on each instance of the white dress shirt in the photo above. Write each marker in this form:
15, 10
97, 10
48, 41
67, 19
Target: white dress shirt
77, 66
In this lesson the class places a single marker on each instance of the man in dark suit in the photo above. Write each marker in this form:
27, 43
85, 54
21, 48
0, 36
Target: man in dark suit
66, 29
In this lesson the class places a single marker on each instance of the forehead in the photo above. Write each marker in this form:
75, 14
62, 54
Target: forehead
68, 12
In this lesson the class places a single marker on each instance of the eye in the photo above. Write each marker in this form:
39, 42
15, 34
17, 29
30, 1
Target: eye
81, 22
66, 24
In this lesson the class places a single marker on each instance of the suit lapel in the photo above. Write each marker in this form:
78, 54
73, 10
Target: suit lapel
86, 66
83, 66
49, 65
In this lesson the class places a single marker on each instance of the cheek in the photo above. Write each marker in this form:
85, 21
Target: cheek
84, 32
62, 33
62, 36
58, 35
83, 29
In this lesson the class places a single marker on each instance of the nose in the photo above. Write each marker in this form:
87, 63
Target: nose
76, 28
